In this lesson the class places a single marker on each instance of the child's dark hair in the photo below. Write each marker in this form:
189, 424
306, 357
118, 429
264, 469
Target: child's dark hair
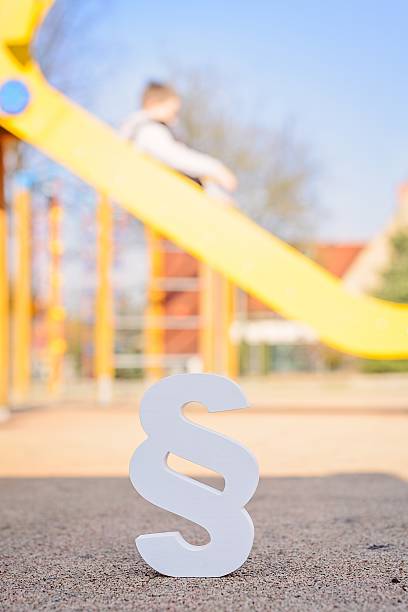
156, 92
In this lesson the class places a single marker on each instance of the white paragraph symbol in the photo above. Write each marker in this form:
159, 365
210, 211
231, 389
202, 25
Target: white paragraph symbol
221, 513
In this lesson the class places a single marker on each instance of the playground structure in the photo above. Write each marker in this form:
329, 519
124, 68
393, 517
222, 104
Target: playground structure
173, 210
181, 322
17, 370
190, 311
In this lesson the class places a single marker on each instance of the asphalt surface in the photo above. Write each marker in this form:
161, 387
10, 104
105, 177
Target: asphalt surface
331, 543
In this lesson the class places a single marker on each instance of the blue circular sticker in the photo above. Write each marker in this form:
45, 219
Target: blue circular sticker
14, 97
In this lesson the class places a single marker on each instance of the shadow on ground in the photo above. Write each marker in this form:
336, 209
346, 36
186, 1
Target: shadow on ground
338, 542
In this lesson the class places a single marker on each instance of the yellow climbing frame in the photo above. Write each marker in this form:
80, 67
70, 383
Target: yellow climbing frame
223, 238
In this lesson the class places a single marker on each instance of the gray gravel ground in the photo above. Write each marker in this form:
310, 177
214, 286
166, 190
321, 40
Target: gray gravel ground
334, 543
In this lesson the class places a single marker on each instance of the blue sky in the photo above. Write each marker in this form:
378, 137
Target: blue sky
336, 69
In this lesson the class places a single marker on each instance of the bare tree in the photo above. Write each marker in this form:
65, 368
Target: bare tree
275, 170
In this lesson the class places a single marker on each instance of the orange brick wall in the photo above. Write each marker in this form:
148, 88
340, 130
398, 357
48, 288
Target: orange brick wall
336, 258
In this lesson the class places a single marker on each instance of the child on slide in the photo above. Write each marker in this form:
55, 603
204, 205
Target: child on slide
150, 130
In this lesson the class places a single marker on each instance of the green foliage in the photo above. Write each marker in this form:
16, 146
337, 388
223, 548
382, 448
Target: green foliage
394, 285
394, 288
373, 366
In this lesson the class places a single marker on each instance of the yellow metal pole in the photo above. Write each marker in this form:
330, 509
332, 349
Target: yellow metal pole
4, 293
21, 339
56, 313
154, 330
217, 313
228, 348
104, 327
227, 345
207, 317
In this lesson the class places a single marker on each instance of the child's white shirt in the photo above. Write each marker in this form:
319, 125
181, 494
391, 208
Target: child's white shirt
157, 140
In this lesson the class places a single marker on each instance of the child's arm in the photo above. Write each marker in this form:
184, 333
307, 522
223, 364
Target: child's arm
157, 141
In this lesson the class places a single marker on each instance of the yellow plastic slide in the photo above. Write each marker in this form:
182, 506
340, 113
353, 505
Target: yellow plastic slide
251, 257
